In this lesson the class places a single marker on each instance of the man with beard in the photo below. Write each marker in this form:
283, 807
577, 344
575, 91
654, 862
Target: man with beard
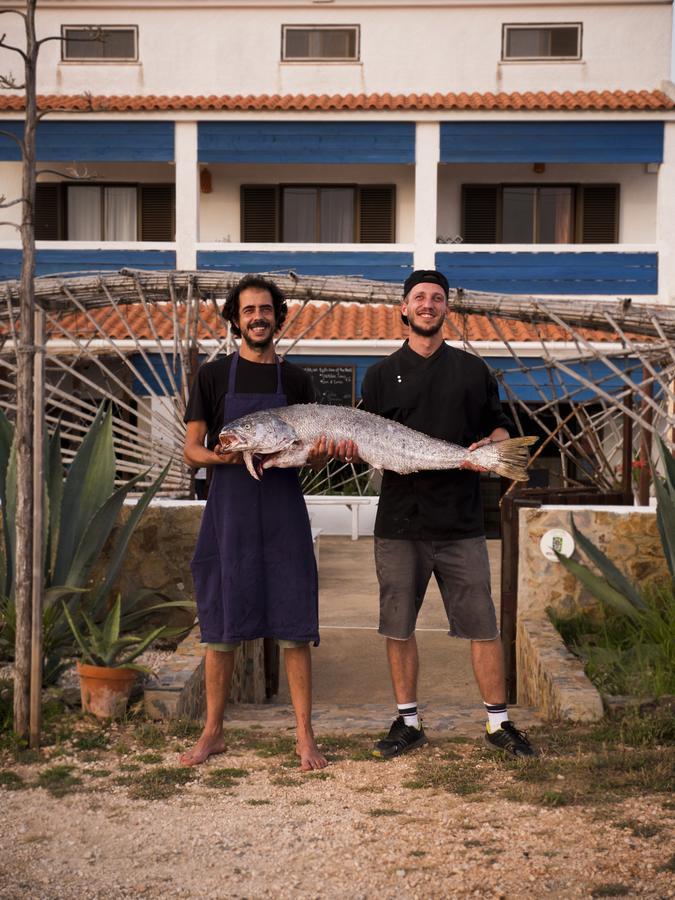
254, 569
432, 522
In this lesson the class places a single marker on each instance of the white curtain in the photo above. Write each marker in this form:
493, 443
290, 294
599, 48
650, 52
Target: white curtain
84, 213
337, 215
299, 224
120, 214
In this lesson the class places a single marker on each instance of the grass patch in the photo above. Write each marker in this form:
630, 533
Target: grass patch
640, 829
184, 728
458, 776
59, 780
224, 778
258, 802
383, 811
11, 781
99, 773
160, 783
273, 746
91, 740
150, 759
285, 781
668, 866
130, 767
150, 736
556, 798
610, 890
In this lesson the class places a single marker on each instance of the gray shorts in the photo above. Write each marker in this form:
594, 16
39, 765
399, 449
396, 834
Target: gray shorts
462, 572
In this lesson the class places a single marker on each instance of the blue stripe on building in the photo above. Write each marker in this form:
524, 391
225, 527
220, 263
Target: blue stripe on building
380, 266
307, 142
79, 141
552, 273
55, 262
562, 142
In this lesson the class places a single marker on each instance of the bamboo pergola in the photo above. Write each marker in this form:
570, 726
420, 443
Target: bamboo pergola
111, 337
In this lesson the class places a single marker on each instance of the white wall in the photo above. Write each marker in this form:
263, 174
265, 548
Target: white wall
637, 203
10, 188
234, 47
220, 210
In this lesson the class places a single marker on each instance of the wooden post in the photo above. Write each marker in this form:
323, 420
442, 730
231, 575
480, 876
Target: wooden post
36, 648
23, 573
646, 446
627, 454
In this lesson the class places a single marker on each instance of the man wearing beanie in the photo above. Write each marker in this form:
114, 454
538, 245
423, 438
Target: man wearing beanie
432, 522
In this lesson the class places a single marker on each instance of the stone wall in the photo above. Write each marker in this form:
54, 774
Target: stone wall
549, 676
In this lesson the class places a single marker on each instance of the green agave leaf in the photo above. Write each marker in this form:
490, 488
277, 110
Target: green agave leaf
79, 637
665, 519
89, 482
599, 587
55, 490
111, 627
143, 645
668, 463
122, 542
97, 533
60, 592
9, 515
613, 575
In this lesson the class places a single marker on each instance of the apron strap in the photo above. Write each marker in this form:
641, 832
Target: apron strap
280, 389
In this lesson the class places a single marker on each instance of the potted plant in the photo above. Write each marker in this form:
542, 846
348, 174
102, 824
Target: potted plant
107, 670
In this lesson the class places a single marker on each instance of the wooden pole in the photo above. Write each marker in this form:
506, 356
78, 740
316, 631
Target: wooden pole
36, 648
627, 454
24, 394
646, 445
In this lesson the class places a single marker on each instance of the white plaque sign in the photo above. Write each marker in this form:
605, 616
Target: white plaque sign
557, 539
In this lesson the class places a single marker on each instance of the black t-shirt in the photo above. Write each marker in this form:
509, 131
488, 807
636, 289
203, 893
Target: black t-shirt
450, 395
207, 397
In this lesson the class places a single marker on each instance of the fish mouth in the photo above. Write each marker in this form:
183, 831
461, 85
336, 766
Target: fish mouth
254, 464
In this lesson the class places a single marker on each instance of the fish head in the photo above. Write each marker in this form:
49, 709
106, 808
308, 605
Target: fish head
256, 436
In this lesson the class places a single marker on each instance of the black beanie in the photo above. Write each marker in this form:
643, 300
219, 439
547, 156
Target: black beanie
424, 276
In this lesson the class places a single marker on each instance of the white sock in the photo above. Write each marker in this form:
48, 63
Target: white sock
409, 713
497, 713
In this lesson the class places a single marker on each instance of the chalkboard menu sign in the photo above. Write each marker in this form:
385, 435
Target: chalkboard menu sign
333, 385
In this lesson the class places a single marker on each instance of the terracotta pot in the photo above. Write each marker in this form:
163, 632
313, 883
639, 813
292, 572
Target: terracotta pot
105, 692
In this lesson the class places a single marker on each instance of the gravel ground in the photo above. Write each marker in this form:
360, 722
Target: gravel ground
359, 829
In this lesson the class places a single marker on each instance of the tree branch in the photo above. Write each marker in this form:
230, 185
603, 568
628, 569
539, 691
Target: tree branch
16, 12
13, 137
12, 225
18, 50
5, 203
73, 174
9, 82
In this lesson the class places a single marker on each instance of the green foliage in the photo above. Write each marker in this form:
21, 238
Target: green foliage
632, 650
104, 645
81, 512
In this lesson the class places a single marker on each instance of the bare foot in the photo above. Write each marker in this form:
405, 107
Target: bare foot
206, 746
310, 755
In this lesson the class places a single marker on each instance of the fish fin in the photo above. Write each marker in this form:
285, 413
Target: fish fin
512, 458
248, 462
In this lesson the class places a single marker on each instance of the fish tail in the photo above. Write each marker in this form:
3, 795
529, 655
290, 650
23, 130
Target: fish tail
512, 457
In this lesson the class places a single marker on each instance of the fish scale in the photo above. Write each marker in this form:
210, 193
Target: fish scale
283, 438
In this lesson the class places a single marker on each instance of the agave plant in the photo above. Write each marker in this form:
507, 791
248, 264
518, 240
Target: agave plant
612, 587
80, 512
106, 645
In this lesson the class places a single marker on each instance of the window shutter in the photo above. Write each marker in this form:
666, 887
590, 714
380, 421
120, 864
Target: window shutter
158, 212
377, 214
48, 212
259, 213
479, 213
600, 216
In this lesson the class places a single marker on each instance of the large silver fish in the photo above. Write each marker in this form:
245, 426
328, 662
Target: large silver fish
284, 436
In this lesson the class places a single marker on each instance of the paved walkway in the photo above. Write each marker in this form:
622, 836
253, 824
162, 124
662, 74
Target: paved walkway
352, 691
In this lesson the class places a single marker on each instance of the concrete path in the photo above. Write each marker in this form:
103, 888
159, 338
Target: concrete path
352, 690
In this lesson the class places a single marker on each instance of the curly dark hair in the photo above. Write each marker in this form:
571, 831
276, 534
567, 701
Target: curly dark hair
230, 310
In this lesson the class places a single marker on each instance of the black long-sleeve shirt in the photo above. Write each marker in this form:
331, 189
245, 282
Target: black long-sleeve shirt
450, 395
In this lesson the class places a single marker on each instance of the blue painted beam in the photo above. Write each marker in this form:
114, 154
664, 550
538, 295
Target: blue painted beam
562, 142
381, 266
54, 262
307, 142
79, 141
552, 273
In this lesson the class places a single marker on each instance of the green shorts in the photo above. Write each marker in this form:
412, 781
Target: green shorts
285, 645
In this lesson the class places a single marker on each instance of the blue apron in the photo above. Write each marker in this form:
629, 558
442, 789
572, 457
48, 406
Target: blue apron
254, 570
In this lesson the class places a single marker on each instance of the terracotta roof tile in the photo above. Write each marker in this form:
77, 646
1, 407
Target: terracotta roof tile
348, 321
528, 100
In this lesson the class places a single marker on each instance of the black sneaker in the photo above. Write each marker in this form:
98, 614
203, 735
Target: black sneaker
508, 739
401, 739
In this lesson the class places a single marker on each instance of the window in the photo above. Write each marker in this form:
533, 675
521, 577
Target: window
99, 42
540, 214
523, 42
311, 213
96, 212
326, 43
